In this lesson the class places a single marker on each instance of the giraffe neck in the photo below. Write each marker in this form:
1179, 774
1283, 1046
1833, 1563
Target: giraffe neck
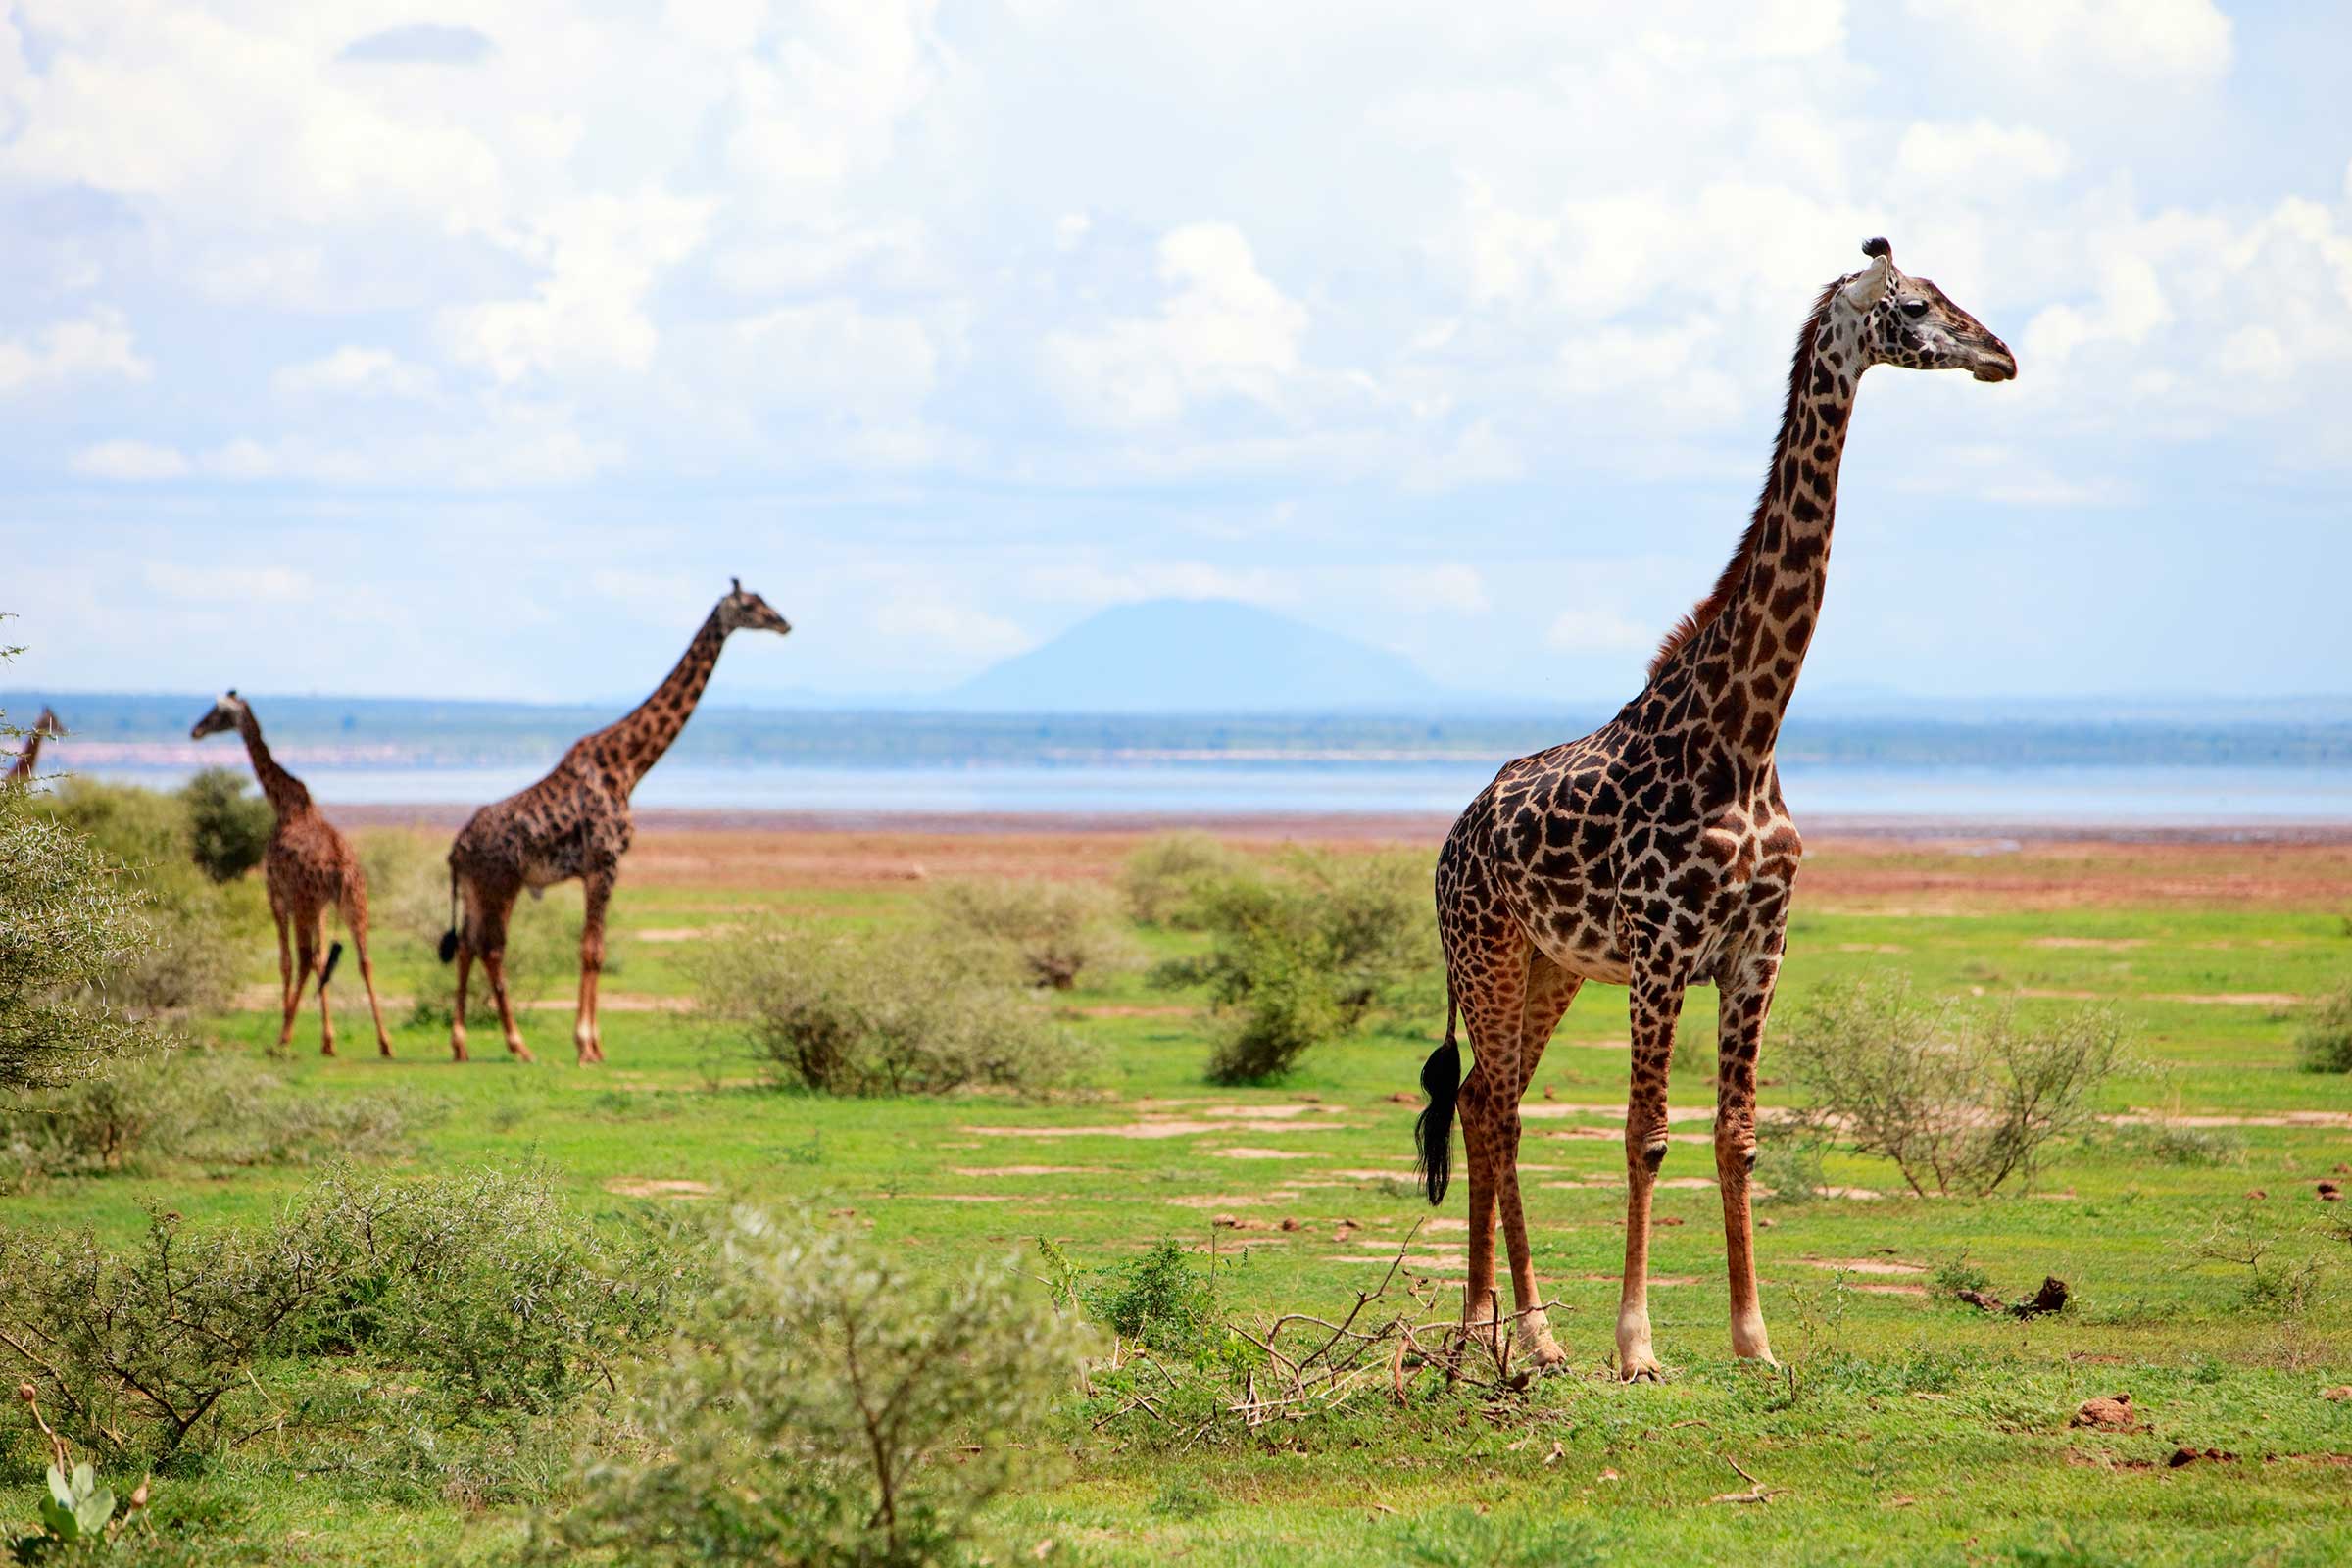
19, 772
627, 750
1746, 653
284, 792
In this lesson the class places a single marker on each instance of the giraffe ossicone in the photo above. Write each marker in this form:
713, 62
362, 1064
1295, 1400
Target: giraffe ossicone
1657, 852
575, 824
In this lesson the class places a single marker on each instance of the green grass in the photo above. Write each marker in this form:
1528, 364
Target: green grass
1908, 1429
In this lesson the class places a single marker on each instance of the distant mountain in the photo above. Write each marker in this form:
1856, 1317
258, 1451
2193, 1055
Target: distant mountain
1180, 656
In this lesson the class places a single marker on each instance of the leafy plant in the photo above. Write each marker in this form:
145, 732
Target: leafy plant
878, 1014
1051, 932
1163, 874
827, 1408
78, 1511
71, 920
1957, 1102
228, 829
1303, 956
2324, 1043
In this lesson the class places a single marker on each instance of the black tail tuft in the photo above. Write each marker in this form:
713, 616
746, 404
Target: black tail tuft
449, 943
1432, 1133
334, 955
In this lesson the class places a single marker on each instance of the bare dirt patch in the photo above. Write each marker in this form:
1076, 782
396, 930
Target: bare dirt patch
1868, 1265
985, 1171
2101, 944
672, 1187
1263, 1153
1150, 1128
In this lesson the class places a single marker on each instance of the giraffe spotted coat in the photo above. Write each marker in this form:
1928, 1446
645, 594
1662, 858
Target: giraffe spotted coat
1657, 852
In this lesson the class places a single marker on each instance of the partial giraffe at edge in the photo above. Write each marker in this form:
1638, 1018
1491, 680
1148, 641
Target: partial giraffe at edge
309, 869
47, 727
1657, 852
574, 823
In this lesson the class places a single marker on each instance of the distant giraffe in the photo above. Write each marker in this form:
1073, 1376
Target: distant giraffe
309, 869
574, 823
46, 727
1656, 853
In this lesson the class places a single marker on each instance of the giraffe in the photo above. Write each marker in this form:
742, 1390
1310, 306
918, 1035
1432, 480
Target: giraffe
46, 727
574, 823
309, 869
1656, 853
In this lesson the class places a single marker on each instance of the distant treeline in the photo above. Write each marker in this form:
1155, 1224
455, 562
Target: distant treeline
441, 734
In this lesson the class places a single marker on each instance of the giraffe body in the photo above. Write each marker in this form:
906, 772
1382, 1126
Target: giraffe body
310, 869
575, 824
1657, 852
24, 769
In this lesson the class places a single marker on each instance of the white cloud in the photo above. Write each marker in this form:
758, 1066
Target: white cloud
129, 461
96, 345
1978, 154
229, 585
940, 624
1224, 330
358, 372
1450, 585
2142, 38
2132, 305
833, 357
1599, 629
602, 255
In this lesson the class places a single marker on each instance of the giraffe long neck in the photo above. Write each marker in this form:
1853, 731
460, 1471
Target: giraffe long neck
19, 772
1755, 631
284, 792
628, 750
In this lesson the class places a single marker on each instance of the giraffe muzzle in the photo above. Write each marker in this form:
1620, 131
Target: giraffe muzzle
1994, 362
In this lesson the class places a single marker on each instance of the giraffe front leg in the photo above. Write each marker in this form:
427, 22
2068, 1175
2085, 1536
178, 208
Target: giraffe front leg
1482, 1309
586, 1036
288, 993
1656, 1004
457, 1015
305, 961
355, 919
326, 961
1745, 1000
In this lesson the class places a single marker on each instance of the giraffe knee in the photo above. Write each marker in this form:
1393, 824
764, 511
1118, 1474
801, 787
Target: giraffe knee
1653, 1155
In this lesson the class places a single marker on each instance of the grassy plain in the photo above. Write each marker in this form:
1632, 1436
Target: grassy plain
1907, 1427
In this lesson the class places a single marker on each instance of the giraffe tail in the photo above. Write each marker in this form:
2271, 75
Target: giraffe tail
449, 938
1432, 1133
334, 955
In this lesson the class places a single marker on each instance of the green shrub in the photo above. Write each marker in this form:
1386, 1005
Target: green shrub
229, 830
1957, 1102
71, 920
878, 1014
1303, 956
437, 1303
1955, 1274
1792, 1154
2324, 1044
1163, 874
1050, 932
211, 1107
1158, 1300
827, 1409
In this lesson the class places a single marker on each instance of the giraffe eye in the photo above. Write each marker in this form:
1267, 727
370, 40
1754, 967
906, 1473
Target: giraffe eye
1914, 309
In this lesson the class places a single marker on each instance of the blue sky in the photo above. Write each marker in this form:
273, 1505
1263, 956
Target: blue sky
371, 348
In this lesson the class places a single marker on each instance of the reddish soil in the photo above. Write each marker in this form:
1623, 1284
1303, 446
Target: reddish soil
1853, 864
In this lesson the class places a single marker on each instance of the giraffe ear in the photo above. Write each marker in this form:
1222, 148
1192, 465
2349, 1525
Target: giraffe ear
737, 583
1868, 286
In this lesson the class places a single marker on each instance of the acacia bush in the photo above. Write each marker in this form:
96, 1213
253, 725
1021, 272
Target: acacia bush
827, 1408
196, 929
1163, 874
211, 1107
2324, 1043
879, 1013
1958, 1101
1303, 953
228, 828
445, 1302
70, 920
1048, 932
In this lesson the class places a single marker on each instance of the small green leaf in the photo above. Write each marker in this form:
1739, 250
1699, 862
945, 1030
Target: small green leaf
94, 1510
60, 1520
85, 1476
59, 1489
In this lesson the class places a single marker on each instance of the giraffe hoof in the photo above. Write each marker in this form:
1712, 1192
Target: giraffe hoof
1645, 1370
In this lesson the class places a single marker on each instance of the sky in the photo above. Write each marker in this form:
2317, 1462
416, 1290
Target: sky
374, 348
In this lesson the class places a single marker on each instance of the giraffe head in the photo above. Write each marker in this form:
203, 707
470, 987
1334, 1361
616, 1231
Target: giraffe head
224, 715
49, 724
748, 611
1908, 322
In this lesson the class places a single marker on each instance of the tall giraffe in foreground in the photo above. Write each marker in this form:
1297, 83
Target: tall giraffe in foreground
1656, 853
574, 823
309, 869
46, 727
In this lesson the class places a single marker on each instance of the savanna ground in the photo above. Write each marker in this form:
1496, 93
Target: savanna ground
1906, 1426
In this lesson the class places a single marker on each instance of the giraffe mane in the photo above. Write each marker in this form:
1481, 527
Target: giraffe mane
1735, 571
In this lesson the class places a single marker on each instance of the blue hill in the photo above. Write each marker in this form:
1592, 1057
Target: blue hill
1198, 656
